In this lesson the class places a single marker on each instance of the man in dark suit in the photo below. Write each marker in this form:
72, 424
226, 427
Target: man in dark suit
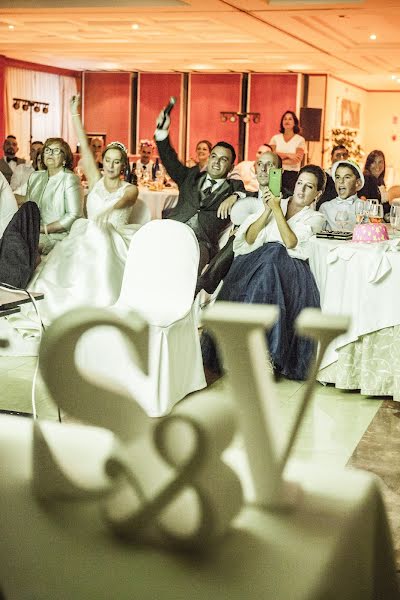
10, 160
204, 197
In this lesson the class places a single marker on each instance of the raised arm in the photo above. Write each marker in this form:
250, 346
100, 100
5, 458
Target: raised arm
90, 169
169, 158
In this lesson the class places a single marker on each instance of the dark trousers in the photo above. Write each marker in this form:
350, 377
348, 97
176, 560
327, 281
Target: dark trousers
19, 246
217, 269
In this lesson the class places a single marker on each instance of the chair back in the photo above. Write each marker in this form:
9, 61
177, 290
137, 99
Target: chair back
161, 272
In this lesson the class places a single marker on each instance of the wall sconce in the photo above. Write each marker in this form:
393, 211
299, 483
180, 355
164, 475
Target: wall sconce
16, 105
246, 117
36, 108
25, 106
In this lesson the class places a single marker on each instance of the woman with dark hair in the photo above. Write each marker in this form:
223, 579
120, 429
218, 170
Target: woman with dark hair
374, 175
271, 267
57, 191
289, 145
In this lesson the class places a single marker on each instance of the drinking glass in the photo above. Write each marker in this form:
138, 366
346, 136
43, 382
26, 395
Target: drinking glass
145, 177
376, 213
342, 218
160, 178
359, 208
395, 218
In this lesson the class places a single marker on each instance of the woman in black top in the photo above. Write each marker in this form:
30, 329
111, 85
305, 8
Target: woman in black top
374, 175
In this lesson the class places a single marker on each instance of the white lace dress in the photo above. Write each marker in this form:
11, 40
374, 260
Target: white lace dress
87, 267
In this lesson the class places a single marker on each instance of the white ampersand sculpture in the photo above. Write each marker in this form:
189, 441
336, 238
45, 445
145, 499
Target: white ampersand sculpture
163, 480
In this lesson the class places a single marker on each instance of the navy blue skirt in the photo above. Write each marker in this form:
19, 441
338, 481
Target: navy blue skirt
270, 276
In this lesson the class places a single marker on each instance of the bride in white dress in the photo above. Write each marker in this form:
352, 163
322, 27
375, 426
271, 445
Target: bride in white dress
87, 267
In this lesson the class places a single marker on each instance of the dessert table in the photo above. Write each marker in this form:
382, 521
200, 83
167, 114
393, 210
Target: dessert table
361, 280
157, 200
333, 543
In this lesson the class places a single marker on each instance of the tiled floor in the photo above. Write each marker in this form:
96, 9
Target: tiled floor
334, 423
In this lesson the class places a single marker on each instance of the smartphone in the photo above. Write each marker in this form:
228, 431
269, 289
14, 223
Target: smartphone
275, 181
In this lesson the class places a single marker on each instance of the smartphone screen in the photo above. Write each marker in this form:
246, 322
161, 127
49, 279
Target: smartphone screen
275, 181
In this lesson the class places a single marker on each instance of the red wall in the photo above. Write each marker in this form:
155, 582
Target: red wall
107, 105
209, 94
271, 95
154, 92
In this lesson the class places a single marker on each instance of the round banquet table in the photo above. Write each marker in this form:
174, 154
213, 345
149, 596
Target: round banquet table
156, 201
361, 280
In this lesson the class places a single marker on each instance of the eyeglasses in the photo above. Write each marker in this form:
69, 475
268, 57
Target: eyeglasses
55, 151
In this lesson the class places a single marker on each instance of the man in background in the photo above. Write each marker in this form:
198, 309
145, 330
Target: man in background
19, 179
10, 160
202, 194
246, 170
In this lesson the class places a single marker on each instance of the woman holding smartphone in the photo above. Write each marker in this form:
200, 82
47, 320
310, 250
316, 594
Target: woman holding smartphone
271, 266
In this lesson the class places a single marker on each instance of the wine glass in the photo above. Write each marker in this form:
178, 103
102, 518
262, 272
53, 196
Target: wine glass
160, 178
395, 218
359, 208
342, 218
376, 213
145, 177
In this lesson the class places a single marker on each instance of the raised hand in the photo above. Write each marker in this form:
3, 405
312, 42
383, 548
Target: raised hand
163, 117
75, 105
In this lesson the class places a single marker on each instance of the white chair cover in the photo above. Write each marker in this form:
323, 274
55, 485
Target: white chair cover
159, 283
140, 213
243, 208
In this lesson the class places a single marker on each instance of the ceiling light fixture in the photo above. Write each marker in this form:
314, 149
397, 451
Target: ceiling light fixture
393, 76
372, 36
11, 27
135, 26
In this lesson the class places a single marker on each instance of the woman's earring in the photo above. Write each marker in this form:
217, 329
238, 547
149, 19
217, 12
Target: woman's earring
64, 163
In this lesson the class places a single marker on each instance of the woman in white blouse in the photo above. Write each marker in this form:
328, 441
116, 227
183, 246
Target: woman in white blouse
271, 267
58, 193
290, 146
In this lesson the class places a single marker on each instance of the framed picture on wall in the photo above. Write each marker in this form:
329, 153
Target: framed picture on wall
348, 113
100, 136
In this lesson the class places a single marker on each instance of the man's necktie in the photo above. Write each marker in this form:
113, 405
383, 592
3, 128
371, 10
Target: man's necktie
10, 158
208, 190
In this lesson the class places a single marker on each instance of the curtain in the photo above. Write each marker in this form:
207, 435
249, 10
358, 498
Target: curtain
43, 87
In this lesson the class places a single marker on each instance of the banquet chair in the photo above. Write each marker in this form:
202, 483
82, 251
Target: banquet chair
140, 213
159, 282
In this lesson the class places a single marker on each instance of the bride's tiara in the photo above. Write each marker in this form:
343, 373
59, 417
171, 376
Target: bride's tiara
119, 145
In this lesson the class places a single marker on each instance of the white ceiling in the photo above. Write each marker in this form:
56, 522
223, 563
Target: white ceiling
209, 35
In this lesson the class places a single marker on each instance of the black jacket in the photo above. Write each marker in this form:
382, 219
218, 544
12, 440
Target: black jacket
208, 227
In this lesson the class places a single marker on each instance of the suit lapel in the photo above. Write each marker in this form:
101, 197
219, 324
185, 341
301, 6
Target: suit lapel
215, 197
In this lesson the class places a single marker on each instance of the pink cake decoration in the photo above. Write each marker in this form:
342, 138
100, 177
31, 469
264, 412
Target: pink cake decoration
370, 232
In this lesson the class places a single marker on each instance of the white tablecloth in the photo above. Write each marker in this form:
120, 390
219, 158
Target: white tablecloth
360, 280
334, 543
157, 201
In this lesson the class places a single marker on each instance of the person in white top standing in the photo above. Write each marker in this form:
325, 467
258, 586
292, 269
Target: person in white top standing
289, 145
